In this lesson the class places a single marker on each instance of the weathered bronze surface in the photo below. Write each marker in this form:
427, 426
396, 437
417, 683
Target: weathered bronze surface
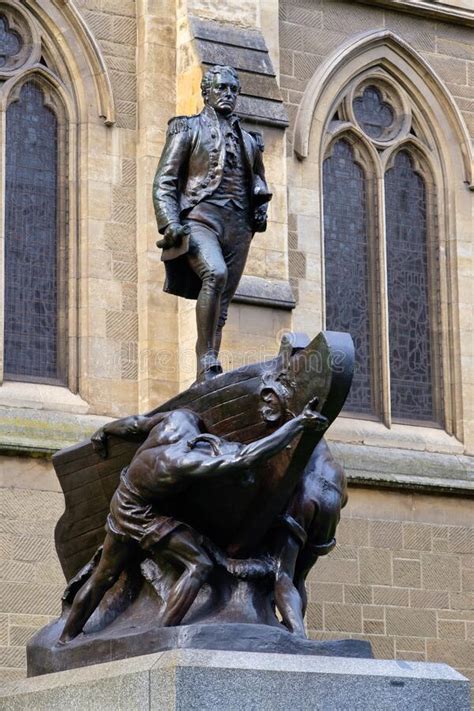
216, 506
217, 503
210, 197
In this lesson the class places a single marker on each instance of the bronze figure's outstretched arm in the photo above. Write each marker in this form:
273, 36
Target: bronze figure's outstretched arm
203, 466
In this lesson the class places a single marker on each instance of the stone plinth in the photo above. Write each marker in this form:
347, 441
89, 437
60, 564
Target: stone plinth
199, 679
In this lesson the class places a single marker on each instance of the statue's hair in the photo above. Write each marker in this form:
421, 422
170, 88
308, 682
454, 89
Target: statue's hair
206, 81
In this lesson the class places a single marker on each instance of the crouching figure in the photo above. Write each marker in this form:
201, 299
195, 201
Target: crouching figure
176, 452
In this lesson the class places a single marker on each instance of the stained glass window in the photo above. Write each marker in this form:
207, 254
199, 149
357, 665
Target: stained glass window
31, 239
373, 114
347, 263
408, 295
10, 42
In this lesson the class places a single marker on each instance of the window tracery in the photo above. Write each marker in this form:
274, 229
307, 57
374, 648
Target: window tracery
20, 44
10, 42
397, 358
373, 114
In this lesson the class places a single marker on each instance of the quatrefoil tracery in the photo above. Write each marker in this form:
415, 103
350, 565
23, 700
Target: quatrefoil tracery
10, 42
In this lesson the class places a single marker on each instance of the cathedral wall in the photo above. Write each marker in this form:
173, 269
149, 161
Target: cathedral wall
402, 573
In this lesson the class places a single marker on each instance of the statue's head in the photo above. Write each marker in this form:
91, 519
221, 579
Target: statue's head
220, 87
276, 398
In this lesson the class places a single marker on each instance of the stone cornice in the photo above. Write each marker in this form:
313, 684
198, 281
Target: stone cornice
428, 8
393, 468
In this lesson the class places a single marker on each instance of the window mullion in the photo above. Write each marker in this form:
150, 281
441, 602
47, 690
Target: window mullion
381, 332
2, 235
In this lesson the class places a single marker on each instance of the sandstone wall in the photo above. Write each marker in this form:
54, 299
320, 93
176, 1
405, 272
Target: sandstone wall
401, 576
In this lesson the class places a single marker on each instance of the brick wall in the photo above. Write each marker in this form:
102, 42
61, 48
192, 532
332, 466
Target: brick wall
31, 580
401, 576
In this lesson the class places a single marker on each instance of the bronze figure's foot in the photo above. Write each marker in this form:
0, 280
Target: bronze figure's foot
209, 368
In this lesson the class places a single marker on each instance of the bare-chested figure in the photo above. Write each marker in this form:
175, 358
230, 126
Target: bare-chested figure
175, 453
307, 533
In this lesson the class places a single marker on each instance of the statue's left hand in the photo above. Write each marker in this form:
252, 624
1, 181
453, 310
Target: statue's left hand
260, 219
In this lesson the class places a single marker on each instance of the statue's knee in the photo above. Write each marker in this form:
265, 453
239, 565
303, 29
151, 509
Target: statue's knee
329, 519
329, 514
218, 278
106, 579
201, 569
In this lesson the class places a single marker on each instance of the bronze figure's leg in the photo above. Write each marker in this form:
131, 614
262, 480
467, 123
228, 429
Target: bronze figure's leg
115, 556
235, 248
206, 260
287, 596
312, 517
183, 549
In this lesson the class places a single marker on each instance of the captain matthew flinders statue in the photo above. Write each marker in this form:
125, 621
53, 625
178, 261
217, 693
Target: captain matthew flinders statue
197, 523
210, 196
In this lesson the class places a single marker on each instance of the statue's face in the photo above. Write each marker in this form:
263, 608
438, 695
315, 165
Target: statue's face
223, 92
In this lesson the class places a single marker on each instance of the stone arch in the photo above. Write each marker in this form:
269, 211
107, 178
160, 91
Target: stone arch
78, 55
48, 81
449, 155
383, 49
364, 152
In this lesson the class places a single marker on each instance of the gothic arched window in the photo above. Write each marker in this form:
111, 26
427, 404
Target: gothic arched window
347, 262
380, 257
31, 239
34, 228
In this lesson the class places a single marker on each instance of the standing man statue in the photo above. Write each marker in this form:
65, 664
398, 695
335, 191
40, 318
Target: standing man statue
210, 197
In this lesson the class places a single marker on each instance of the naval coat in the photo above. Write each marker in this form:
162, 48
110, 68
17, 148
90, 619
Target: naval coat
190, 170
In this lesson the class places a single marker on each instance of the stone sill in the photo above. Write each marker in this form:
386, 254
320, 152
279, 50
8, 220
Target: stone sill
403, 457
375, 434
38, 396
394, 468
42, 432
460, 12
274, 293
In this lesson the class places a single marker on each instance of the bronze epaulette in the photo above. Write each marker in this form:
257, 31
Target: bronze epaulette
178, 124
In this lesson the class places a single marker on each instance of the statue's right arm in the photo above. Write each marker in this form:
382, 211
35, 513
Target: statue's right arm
173, 163
195, 465
250, 455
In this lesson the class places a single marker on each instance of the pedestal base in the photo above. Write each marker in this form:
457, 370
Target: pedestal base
243, 681
45, 657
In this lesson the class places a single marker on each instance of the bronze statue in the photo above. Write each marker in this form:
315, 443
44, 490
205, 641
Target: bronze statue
307, 532
216, 505
176, 453
210, 197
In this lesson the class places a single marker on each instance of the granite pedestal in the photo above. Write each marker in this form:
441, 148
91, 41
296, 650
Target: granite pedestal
195, 680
